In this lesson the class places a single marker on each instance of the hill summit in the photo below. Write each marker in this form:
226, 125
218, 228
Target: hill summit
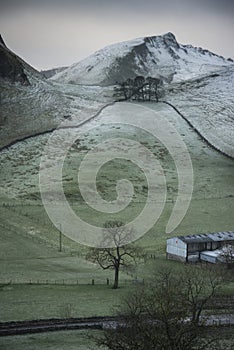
156, 56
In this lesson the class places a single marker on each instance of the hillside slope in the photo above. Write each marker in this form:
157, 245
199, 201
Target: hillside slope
48, 73
157, 56
208, 104
29, 104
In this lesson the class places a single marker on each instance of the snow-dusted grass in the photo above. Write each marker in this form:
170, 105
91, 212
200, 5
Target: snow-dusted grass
29, 110
208, 104
26, 111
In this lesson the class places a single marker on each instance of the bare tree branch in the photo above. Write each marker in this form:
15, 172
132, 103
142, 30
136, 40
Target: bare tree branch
121, 255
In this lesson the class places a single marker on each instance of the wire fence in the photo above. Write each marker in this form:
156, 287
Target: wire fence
67, 282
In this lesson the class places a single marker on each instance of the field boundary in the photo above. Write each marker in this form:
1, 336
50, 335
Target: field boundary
48, 131
197, 131
64, 282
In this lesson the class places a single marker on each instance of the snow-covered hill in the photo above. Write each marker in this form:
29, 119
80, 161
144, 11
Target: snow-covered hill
197, 82
157, 56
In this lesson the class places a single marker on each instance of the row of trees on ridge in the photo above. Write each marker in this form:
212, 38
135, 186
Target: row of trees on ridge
140, 88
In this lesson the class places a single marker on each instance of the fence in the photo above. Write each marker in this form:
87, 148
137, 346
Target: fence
66, 282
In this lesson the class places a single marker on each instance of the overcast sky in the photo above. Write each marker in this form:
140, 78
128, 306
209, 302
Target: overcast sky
52, 33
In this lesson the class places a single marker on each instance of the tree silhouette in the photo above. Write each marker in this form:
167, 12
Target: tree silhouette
139, 89
122, 254
227, 255
158, 316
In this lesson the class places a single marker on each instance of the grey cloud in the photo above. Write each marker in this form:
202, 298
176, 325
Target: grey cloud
134, 5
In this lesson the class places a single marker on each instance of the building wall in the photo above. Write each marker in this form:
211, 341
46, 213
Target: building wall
196, 247
176, 257
176, 247
194, 257
181, 251
216, 245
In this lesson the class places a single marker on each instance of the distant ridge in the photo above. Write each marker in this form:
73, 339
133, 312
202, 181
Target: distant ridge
157, 56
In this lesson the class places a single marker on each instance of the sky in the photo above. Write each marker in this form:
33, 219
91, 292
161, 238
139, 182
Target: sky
55, 33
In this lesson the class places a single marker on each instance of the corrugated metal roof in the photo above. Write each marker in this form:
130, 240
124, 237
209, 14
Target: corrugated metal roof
208, 237
195, 238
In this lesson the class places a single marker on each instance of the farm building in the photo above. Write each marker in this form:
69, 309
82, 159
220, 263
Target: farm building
206, 247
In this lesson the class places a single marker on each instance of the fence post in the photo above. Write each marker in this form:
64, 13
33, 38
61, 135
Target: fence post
107, 281
92, 282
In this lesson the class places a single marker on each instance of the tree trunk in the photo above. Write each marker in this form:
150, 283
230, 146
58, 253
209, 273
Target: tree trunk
116, 282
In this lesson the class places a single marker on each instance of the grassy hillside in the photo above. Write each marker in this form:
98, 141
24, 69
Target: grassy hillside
30, 243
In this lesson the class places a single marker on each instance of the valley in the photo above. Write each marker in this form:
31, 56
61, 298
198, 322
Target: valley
48, 128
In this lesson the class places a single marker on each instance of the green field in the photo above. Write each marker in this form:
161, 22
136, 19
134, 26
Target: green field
26, 302
68, 340
37, 280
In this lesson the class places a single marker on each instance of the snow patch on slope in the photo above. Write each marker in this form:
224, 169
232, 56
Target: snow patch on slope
208, 103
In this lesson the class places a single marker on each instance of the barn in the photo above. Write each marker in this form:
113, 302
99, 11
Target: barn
198, 247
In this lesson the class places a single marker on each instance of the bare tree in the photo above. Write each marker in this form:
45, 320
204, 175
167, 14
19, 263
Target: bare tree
155, 84
201, 286
121, 255
159, 316
130, 87
126, 89
149, 81
227, 255
139, 83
